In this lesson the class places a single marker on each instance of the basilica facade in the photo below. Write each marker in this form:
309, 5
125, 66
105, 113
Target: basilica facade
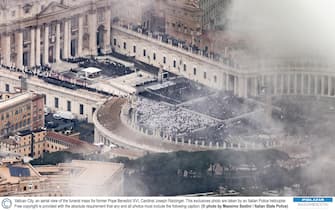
40, 32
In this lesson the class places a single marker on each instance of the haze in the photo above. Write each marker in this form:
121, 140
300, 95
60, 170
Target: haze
287, 27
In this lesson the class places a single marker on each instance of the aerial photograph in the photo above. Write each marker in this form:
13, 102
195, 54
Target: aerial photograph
151, 98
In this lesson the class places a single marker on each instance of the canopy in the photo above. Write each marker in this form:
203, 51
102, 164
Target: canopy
91, 70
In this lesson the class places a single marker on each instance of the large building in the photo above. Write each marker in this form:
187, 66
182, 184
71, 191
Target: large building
35, 143
180, 19
153, 17
183, 20
25, 143
43, 32
39, 32
21, 111
84, 178
129, 11
21, 179
186, 20
81, 102
77, 178
215, 14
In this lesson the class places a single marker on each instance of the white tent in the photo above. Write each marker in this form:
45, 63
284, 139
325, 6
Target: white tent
91, 72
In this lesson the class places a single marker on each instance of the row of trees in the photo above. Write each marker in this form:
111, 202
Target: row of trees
164, 173
194, 172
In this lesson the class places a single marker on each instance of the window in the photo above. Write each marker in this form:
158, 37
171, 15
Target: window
81, 109
185, 67
69, 106
154, 56
93, 110
101, 15
164, 60
124, 45
7, 87
205, 75
56, 102
114, 42
174, 64
144, 53
134, 49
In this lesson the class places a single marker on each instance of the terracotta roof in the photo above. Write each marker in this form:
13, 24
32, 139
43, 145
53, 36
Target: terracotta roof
78, 146
64, 138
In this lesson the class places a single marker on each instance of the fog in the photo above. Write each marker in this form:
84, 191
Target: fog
131, 11
296, 28
286, 27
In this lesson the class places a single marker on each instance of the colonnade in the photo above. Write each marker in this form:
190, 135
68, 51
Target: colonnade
287, 83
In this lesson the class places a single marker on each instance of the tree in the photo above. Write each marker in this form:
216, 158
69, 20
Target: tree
56, 157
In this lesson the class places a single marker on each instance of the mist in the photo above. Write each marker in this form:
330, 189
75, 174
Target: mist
130, 11
295, 29
287, 27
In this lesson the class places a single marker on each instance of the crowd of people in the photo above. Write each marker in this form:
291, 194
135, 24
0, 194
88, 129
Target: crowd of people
183, 90
222, 106
159, 109
109, 68
170, 120
40, 70
225, 132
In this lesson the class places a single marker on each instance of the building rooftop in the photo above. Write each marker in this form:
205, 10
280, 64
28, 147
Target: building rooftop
16, 100
87, 178
64, 138
19, 171
24, 133
28, 132
15, 172
93, 172
78, 146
